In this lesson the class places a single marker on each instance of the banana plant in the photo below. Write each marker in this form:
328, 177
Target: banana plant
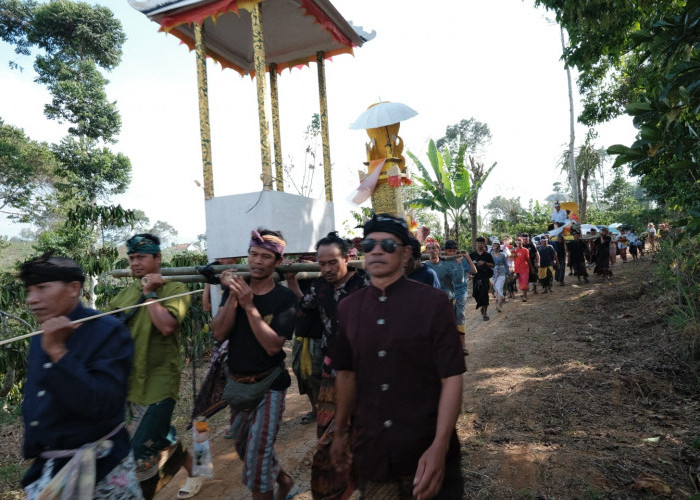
450, 187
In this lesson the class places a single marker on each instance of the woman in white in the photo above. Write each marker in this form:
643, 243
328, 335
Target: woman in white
500, 271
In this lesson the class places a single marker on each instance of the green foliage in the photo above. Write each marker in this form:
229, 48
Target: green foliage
472, 134
643, 58
451, 188
25, 167
679, 269
79, 97
76, 30
15, 319
89, 172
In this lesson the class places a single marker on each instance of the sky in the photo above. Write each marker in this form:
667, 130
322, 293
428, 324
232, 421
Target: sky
497, 61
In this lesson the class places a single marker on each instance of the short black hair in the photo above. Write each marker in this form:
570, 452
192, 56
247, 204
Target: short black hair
333, 238
415, 248
481, 239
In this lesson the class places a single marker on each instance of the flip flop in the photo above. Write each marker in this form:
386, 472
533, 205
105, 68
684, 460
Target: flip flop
292, 493
191, 487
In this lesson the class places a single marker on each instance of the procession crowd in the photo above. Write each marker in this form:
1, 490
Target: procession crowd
379, 351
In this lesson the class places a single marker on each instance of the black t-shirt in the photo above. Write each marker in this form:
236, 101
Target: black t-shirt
482, 271
245, 354
547, 254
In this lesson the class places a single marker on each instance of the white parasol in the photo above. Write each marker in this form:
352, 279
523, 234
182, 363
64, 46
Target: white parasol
383, 114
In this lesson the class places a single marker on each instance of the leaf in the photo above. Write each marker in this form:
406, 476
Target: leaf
635, 108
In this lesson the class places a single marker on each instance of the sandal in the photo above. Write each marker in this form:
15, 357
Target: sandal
308, 418
191, 487
486, 318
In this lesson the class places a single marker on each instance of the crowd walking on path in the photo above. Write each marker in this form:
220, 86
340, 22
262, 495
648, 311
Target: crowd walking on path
379, 351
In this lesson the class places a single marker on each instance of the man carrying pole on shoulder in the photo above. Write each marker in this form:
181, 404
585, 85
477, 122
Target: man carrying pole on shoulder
75, 391
155, 377
338, 281
257, 319
400, 368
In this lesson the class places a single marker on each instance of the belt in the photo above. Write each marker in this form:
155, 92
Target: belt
248, 378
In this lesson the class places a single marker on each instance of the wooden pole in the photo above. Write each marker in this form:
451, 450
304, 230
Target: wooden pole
203, 93
323, 99
259, 58
276, 135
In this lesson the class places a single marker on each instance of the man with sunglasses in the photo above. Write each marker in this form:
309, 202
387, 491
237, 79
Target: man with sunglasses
399, 366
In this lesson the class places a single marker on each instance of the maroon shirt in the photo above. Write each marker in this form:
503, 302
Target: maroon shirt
400, 345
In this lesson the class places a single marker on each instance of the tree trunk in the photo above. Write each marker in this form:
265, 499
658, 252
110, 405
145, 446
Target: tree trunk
477, 170
584, 197
91, 296
9, 382
573, 178
447, 227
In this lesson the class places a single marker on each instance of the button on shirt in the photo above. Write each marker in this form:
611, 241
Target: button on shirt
400, 345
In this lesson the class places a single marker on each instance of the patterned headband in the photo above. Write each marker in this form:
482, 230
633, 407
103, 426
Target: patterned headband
268, 242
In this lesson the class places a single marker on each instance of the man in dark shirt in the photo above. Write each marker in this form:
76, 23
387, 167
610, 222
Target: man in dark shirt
257, 319
416, 270
548, 263
577, 255
534, 260
400, 369
76, 388
560, 248
484, 270
337, 282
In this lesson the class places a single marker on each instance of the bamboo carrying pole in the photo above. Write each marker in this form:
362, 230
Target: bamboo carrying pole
192, 273
83, 320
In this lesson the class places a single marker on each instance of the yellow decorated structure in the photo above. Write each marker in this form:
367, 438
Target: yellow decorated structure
255, 38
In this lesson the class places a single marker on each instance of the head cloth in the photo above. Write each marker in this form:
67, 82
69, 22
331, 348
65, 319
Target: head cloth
386, 223
142, 244
268, 242
48, 268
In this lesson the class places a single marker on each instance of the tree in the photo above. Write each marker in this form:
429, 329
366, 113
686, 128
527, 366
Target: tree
452, 188
74, 41
575, 191
469, 132
588, 160
505, 209
472, 136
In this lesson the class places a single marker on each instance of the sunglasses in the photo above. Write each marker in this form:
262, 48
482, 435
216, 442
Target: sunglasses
387, 245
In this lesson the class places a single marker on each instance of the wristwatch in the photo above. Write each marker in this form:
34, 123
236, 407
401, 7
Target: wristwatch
150, 295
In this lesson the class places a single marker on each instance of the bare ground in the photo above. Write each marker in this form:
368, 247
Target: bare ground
574, 395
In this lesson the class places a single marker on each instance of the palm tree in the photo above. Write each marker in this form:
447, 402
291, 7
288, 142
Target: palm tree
452, 188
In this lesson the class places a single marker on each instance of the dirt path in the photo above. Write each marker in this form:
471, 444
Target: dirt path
570, 395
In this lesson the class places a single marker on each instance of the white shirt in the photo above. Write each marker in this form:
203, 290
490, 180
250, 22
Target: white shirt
559, 216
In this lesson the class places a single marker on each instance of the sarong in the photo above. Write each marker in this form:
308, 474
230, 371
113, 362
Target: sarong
120, 484
545, 275
326, 482
254, 433
154, 441
480, 291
